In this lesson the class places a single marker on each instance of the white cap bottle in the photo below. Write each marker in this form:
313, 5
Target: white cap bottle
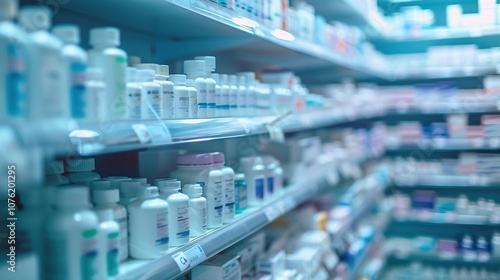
228, 210
152, 104
182, 102
178, 211
46, 96
80, 171
116, 181
96, 94
134, 95
129, 191
233, 96
75, 61
250, 93
167, 89
12, 75
106, 55
218, 108
107, 199
109, 244
210, 63
254, 170
53, 174
274, 176
197, 209
193, 98
148, 225
241, 98
195, 69
224, 96
73, 226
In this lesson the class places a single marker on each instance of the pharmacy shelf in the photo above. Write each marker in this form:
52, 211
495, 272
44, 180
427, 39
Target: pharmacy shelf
459, 220
215, 241
431, 181
436, 258
442, 33
431, 72
441, 108
431, 146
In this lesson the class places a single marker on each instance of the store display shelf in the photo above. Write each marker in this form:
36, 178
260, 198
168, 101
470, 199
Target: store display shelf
213, 242
434, 257
436, 72
432, 181
439, 108
442, 33
445, 145
447, 220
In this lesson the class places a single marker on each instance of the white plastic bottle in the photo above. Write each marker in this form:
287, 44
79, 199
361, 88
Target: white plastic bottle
80, 171
197, 169
96, 94
224, 96
71, 237
109, 244
106, 55
129, 191
116, 181
274, 176
241, 98
152, 104
233, 96
182, 108
193, 98
167, 89
75, 61
228, 186
178, 212
12, 63
218, 107
134, 95
197, 209
107, 199
250, 93
148, 225
210, 65
254, 170
195, 69
45, 71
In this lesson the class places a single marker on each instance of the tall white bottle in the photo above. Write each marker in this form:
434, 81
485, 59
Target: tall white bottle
250, 93
106, 55
12, 64
224, 95
45, 71
193, 98
211, 84
218, 108
75, 61
228, 210
182, 102
134, 95
152, 104
96, 94
233, 96
71, 237
109, 244
241, 98
148, 225
178, 211
195, 69
197, 209
167, 89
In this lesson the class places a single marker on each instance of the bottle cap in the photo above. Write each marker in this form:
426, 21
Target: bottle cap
241, 80
223, 79
129, 188
54, 167
233, 80
108, 36
100, 185
218, 157
249, 77
133, 61
71, 196
209, 62
144, 181
192, 190
104, 215
178, 79
8, 9
148, 66
94, 74
35, 18
68, 33
164, 70
79, 165
148, 191
105, 196
194, 160
190, 82
169, 185
116, 181
216, 77
145, 75
239, 176
195, 67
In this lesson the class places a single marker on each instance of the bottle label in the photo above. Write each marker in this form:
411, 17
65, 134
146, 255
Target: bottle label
112, 255
168, 104
15, 81
161, 228
134, 103
270, 185
240, 196
193, 106
259, 188
182, 109
122, 222
229, 196
153, 98
78, 90
88, 261
215, 197
182, 221
211, 98
50, 90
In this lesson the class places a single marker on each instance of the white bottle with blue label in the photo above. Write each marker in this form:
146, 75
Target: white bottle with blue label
12, 63
254, 170
195, 70
75, 61
210, 83
71, 237
178, 211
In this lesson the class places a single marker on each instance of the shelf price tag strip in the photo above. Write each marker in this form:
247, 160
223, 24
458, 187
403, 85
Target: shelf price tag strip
274, 211
152, 133
189, 258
